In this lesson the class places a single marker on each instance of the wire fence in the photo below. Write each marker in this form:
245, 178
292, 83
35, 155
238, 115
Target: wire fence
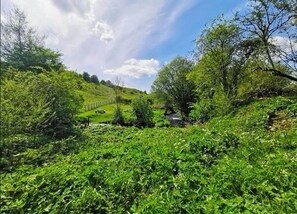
92, 106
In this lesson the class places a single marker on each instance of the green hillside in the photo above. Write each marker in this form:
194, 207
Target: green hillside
244, 162
99, 96
91, 92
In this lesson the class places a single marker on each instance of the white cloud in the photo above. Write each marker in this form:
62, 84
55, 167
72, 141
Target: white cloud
103, 31
77, 30
136, 68
285, 44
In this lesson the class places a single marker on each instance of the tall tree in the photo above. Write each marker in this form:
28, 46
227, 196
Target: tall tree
23, 48
173, 86
222, 56
273, 23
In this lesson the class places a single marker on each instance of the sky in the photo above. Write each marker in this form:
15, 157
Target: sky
126, 39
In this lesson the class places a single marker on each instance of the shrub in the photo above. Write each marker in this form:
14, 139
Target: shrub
120, 99
207, 108
143, 112
262, 84
38, 104
118, 118
202, 111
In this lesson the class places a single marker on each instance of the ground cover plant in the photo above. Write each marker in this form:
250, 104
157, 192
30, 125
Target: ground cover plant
235, 165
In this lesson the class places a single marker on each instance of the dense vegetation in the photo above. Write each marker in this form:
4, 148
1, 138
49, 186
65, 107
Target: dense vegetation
71, 143
234, 163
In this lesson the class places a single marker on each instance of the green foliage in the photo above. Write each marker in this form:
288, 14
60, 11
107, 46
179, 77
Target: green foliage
202, 111
22, 47
143, 112
160, 120
65, 104
118, 117
86, 77
222, 58
38, 104
230, 165
207, 108
34, 150
172, 86
23, 108
120, 99
261, 83
94, 79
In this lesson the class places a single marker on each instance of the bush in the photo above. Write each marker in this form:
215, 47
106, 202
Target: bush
202, 111
207, 108
143, 112
118, 118
38, 104
120, 99
262, 84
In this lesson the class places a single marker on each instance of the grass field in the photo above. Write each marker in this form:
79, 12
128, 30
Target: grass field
108, 115
95, 93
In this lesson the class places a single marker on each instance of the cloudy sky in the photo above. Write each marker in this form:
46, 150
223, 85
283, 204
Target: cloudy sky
130, 39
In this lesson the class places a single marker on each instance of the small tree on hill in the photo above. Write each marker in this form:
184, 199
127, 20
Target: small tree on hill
118, 114
86, 77
94, 79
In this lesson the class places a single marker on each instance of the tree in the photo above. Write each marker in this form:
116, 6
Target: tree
222, 56
172, 85
118, 114
118, 117
273, 24
143, 112
103, 82
109, 83
86, 77
23, 48
94, 79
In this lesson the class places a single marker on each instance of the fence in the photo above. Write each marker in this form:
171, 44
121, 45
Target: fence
92, 106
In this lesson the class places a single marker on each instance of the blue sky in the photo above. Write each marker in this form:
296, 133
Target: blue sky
129, 39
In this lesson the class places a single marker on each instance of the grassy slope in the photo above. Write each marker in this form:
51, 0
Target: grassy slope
234, 164
108, 115
93, 93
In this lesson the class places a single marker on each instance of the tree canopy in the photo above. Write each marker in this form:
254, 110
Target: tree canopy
22, 48
172, 85
273, 24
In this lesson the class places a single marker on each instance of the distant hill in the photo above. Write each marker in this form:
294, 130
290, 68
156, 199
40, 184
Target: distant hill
92, 92
99, 96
